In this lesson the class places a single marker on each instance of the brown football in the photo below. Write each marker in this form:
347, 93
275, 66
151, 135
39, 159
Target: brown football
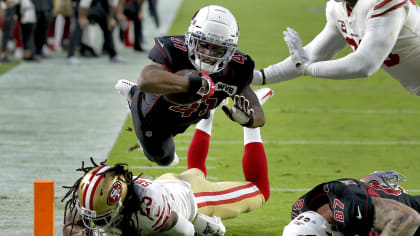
183, 98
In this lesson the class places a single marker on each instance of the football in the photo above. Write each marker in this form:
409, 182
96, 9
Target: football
183, 98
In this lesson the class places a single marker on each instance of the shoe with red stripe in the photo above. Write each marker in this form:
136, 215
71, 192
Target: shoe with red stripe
264, 94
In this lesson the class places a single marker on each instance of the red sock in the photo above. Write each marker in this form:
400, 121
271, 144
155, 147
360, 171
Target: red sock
127, 41
66, 30
254, 165
50, 32
16, 34
197, 152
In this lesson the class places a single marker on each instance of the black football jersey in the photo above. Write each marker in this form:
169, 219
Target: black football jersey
171, 52
350, 202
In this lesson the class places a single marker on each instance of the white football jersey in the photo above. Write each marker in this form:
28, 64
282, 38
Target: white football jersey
403, 63
158, 199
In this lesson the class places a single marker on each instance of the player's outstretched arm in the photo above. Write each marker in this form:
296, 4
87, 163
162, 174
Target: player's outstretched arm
246, 109
259, 117
377, 43
323, 47
154, 78
394, 218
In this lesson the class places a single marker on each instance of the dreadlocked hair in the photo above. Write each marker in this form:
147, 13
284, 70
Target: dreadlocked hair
118, 169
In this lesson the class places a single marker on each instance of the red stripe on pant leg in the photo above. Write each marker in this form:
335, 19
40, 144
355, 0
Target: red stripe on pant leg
228, 201
230, 190
197, 152
254, 165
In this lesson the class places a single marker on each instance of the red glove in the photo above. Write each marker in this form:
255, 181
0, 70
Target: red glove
208, 88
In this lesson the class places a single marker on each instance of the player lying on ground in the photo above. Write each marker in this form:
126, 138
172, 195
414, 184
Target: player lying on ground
111, 199
353, 207
382, 33
166, 102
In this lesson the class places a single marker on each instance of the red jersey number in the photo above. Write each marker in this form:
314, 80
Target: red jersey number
188, 110
392, 60
239, 58
338, 214
143, 182
147, 201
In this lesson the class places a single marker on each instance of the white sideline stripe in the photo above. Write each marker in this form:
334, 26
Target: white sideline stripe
368, 111
316, 142
307, 189
207, 158
341, 88
166, 167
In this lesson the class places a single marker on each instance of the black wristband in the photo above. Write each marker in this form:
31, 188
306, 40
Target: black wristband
195, 84
263, 76
250, 122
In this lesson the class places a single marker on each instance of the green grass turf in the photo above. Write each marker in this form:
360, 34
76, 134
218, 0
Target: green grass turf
375, 110
6, 67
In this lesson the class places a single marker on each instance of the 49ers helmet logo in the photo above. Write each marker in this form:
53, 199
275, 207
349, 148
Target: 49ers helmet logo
115, 193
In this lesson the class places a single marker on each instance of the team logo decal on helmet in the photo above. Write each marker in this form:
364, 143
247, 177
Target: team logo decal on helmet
115, 193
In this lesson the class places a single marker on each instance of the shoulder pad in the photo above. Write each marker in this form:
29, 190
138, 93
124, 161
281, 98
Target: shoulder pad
169, 51
161, 51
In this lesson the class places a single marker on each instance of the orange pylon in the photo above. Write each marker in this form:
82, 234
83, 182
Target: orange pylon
43, 208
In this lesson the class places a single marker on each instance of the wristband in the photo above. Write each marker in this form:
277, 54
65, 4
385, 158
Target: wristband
249, 123
195, 84
263, 76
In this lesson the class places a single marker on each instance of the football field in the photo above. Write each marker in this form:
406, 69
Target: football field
316, 130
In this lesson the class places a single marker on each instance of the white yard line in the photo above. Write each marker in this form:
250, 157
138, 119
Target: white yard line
314, 142
166, 167
181, 158
307, 189
360, 111
365, 111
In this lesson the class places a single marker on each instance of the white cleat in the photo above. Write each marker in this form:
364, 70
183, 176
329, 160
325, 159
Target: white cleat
73, 61
117, 59
123, 87
175, 161
264, 94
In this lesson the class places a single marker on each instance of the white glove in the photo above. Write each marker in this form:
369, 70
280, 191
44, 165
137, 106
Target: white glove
298, 55
241, 111
206, 225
